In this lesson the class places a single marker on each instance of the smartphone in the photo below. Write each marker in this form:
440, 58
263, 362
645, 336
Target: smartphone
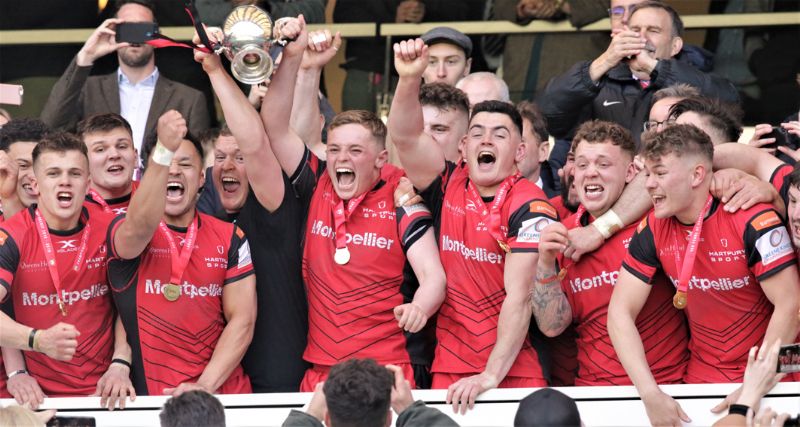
11, 94
781, 137
789, 358
60, 421
136, 32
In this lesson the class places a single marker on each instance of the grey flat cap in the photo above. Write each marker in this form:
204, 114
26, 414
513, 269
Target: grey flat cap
449, 35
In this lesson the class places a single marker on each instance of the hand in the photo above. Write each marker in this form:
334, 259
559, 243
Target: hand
8, 176
553, 241
257, 92
759, 378
171, 130
321, 49
410, 11
184, 387
411, 58
769, 418
404, 194
544, 9
723, 180
793, 128
526, 8
463, 392
295, 29
100, 43
663, 410
410, 317
114, 386
210, 61
401, 390
318, 406
25, 389
746, 192
626, 44
758, 142
583, 240
45, 416
58, 341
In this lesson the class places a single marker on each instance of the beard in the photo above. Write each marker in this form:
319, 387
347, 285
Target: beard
571, 205
136, 60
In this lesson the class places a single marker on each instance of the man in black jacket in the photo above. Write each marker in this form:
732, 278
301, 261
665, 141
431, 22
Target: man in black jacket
618, 86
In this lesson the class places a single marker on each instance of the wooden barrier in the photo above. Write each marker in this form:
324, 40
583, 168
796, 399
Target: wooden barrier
599, 406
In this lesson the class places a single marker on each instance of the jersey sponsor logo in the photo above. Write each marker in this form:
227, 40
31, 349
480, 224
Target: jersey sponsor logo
244, 255
727, 256
470, 254
216, 262
155, 287
531, 229
774, 245
716, 284
120, 211
765, 220
542, 207
67, 245
471, 206
3, 237
458, 210
34, 299
371, 240
604, 278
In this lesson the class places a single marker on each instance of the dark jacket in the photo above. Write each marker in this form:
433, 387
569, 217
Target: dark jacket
573, 97
415, 415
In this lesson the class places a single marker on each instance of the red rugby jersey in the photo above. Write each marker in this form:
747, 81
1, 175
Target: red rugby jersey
173, 341
24, 274
117, 206
727, 311
467, 323
558, 203
780, 182
588, 285
350, 306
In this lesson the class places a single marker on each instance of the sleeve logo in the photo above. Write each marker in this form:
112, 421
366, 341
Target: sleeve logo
642, 225
244, 255
765, 220
3, 237
531, 229
542, 207
774, 245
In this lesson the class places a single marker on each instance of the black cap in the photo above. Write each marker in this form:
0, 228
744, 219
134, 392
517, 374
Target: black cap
449, 35
547, 407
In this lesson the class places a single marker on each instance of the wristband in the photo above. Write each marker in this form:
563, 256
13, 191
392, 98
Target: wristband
738, 409
122, 362
161, 155
17, 372
32, 339
554, 277
608, 223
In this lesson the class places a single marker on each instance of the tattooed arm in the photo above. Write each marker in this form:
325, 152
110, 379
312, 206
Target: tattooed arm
550, 306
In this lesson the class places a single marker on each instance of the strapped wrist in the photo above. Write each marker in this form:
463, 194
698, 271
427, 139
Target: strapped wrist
162, 155
608, 223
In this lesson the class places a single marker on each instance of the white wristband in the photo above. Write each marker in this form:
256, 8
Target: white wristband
161, 155
608, 223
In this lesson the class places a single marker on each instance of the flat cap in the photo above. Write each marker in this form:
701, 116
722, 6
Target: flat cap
449, 35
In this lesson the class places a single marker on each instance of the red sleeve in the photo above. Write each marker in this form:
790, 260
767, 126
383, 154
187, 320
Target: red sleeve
780, 181
240, 264
642, 259
412, 223
767, 244
9, 260
525, 225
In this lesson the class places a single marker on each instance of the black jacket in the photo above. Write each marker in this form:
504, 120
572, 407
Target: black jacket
573, 97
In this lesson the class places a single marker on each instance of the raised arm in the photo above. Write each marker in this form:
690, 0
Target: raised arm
276, 108
550, 305
263, 169
747, 159
421, 157
9, 175
512, 328
150, 199
629, 296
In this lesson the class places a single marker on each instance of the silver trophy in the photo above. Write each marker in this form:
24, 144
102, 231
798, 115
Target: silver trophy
248, 40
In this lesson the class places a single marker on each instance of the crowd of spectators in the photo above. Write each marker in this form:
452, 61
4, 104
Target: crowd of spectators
146, 251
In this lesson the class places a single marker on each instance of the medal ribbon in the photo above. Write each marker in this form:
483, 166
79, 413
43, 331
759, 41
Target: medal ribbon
179, 257
491, 217
579, 214
691, 252
341, 215
50, 255
100, 200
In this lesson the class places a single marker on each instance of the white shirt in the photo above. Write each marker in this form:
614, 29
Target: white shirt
539, 182
134, 103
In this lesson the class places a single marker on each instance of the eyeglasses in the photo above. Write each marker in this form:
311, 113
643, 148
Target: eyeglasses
618, 11
655, 125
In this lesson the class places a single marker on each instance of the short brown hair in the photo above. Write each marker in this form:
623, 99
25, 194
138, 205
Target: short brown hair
679, 140
444, 97
677, 23
725, 118
59, 142
531, 112
598, 132
103, 123
678, 90
364, 118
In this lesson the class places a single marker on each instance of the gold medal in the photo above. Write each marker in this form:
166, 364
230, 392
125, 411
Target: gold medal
62, 307
679, 300
171, 292
504, 246
341, 256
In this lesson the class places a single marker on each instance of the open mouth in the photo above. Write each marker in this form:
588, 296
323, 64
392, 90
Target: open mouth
115, 169
593, 191
64, 199
657, 199
230, 184
345, 177
486, 158
28, 188
175, 190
